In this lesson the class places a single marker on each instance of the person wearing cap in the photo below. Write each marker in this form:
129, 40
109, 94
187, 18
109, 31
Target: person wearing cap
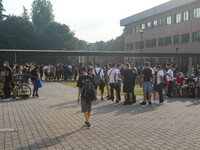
190, 85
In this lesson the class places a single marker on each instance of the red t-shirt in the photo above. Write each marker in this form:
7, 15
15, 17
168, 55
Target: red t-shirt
180, 80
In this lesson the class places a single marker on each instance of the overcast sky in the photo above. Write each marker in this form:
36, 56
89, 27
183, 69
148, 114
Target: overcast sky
91, 20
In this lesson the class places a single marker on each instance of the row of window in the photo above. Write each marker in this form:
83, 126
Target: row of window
166, 41
180, 17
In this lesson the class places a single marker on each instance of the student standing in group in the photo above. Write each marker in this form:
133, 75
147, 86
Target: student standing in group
170, 79
8, 79
160, 84
106, 68
34, 75
119, 81
113, 83
146, 78
134, 76
127, 85
98, 79
86, 93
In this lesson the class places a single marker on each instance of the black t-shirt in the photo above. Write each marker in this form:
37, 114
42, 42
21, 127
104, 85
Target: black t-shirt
190, 82
128, 76
147, 72
134, 75
9, 77
34, 73
82, 79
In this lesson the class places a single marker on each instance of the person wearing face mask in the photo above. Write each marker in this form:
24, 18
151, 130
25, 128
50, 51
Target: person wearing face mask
8, 79
34, 76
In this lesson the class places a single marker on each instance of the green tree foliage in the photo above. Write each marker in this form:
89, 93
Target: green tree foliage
17, 33
42, 13
25, 14
1, 10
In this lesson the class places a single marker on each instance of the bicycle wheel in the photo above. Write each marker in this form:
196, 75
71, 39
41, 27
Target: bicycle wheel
23, 91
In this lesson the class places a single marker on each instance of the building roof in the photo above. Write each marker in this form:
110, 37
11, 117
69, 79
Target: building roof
155, 10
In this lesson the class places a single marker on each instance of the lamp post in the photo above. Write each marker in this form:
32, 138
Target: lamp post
141, 32
88, 48
177, 62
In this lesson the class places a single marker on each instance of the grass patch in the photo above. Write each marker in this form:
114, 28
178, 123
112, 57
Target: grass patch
138, 90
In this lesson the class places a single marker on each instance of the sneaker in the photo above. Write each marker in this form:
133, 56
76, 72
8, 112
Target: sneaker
113, 102
130, 102
143, 103
6, 100
160, 104
117, 101
166, 97
87, 124
33, 96
153, 102
157, 102
120, 102
17, 98
37, 95
109, 98
125, 103
102, 99
150, 103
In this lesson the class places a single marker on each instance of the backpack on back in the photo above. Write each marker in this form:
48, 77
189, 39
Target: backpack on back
97, 78
88, 90
39, 82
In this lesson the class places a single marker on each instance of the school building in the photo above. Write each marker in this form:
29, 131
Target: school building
172, 27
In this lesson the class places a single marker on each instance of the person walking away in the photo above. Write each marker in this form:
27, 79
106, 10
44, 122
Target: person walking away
113, 83
34, 75
8, 79
170, 79
98, 79
146, 79
127, 85
86, 92
160, 84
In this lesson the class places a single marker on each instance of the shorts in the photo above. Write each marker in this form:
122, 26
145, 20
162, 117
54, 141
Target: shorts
86, 105
155, 87
128, 88
147, 87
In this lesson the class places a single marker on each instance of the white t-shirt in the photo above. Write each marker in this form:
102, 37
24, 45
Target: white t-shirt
111, 73
170, 72
160, 73
97, 71
117, 75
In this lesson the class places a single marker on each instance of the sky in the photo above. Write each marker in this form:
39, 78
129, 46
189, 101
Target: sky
91, 20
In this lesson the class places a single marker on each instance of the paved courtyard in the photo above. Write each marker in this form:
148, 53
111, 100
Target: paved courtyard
55, 122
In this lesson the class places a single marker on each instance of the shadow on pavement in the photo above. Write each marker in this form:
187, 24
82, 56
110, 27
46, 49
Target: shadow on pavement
50, 142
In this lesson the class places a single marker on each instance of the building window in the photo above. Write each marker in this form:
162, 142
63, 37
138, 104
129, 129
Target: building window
181, 39
196, 13
178, 17
169, 20
129, 46
151, 43
143, 26
196, 36
129, 30
186, 16
185, 38
165, 41
138, 45
166, 21
149, 25
155, 23
137, 30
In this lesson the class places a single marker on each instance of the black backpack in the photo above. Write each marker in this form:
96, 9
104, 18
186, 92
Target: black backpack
88, 90
97, 78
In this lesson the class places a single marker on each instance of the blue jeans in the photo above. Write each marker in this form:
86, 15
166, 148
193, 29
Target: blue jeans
160, 92
35, 89
147, 87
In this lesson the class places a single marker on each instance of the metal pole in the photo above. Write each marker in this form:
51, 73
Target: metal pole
15, 58
141, 49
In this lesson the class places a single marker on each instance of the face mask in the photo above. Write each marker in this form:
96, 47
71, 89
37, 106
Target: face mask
4, 65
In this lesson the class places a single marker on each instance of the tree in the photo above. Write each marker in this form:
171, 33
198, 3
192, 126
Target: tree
1, 10
42, 13
17, 33
25, 14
